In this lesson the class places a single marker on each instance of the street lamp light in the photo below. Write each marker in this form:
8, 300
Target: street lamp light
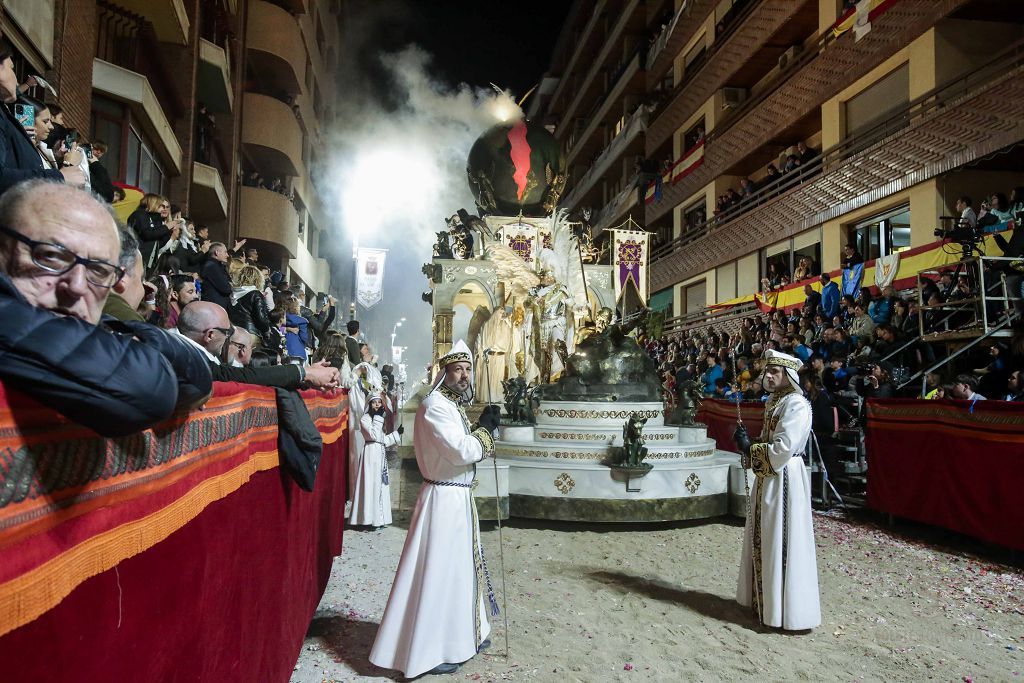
394, 332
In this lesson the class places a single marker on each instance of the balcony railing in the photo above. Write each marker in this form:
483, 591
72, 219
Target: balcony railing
955, 124
636, 124
818, 75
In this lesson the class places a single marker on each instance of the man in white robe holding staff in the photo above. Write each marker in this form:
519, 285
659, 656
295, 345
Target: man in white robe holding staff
436, 616
778, 575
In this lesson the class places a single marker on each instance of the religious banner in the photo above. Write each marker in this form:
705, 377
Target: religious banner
370, 276
629, 260
886, 268
521, 238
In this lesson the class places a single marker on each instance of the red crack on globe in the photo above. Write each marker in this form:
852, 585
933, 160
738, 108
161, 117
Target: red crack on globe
520, 156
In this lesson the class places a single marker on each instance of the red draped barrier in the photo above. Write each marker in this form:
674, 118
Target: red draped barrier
182, 553
950, 464
720, 417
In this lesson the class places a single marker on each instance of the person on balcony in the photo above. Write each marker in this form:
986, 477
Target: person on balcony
965, 209
829, 297
778, 575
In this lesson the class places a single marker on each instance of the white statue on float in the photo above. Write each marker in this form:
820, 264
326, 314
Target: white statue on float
553, 300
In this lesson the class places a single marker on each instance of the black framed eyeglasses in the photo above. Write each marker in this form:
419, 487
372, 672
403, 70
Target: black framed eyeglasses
226, 331
56, 259
239, 345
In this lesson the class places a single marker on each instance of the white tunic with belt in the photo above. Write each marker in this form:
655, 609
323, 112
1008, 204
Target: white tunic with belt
778, 574
436, 613
371, 491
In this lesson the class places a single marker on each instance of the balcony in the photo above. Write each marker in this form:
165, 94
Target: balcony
691, 16
208, 200
314, 272
277, 55
582, 42
214, 77
271, 136
957, 124
169, 18
629, 21
270, 217
134, 89
820, 73
619, 145
748, 48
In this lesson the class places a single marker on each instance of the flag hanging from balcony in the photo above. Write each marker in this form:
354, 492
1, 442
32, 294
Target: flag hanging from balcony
370, 276
688, 163
630, 258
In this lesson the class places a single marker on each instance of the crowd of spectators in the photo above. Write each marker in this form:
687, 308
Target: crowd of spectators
743, 197
853, 348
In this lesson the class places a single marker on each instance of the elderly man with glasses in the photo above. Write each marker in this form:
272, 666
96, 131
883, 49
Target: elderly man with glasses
59, 254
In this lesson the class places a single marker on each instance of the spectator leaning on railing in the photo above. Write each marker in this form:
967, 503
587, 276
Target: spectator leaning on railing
59, 253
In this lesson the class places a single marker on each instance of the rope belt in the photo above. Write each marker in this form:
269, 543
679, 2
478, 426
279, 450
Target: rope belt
448, 483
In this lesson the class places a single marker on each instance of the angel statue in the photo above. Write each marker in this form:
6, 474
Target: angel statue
552, 299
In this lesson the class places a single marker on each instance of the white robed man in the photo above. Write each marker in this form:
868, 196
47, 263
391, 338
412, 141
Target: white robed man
371, 496
496, 337
778, 575
436, 618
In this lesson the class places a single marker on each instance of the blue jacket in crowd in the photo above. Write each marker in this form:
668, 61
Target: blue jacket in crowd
830, 300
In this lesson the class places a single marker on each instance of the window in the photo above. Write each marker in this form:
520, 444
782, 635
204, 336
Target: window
695, 297
878, 102
695, 216
693, 136
881, 235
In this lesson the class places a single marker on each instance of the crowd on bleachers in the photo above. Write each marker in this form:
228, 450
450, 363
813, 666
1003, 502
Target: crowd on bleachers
852, 347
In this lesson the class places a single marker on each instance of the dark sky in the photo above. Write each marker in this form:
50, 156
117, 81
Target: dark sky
479, 42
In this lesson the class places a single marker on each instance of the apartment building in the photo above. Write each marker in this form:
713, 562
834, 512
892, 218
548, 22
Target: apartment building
894, 108
195, 96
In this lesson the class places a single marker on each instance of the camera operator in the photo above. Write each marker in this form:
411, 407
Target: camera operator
875, 381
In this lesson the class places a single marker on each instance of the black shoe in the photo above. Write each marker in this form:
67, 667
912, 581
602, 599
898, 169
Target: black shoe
484, 645
443, 669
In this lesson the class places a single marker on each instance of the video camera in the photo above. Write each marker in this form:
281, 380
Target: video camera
960, 231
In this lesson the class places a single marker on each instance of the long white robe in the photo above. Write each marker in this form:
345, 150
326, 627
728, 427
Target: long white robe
778, 570
435, 613
371, 496
495, 336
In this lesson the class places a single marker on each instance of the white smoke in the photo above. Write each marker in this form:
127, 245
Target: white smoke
399, 171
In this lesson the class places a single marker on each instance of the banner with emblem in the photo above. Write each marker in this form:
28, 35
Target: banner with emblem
630, 258
370, 276
521, 238
885, 269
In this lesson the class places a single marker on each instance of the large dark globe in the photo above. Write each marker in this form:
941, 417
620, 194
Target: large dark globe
516, 167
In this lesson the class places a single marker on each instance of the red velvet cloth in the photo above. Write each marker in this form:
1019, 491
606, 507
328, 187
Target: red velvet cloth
720, 417
949, 464
228, 597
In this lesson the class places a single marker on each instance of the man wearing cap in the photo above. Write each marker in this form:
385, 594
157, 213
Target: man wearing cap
435, 618
778, 571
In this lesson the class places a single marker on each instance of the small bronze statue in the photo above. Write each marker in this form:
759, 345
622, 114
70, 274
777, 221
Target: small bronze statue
688, 400
433, 271
633, 451
442, 249
518, 402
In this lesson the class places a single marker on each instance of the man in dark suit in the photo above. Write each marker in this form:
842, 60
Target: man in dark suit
216, 282
19, 159
352, 343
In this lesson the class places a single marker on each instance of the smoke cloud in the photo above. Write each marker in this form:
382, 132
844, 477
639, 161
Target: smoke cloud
398, 169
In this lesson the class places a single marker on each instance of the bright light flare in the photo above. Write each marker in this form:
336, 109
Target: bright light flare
385, 185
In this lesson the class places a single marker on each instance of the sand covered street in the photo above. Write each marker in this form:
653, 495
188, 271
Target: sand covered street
655, 602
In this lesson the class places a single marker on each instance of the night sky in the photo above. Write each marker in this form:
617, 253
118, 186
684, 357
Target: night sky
480, 42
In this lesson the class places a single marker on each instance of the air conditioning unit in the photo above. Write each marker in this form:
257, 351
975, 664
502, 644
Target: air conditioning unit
733, 97
787, 58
